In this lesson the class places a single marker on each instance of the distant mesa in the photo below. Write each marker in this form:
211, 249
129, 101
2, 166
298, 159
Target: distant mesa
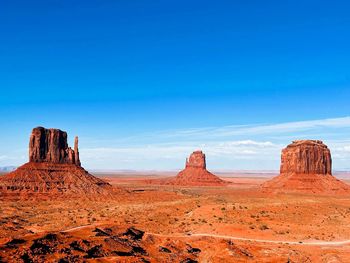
196, 160
306, 166
7, 169
196, 174
53, 167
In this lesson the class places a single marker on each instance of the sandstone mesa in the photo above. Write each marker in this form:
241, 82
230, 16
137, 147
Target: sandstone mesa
306, 166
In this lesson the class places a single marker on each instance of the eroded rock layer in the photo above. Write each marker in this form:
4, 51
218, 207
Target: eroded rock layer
306, 157
306, 166
196, 174
52, 178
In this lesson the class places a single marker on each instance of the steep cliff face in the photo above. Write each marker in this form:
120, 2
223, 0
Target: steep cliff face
306, 157
196, 160
196, 174
306, 166
50, 145
53, 167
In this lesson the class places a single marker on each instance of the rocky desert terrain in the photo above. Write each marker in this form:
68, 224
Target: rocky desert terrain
53, 210
176, 224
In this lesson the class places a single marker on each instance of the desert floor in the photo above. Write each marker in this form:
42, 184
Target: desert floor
236, 223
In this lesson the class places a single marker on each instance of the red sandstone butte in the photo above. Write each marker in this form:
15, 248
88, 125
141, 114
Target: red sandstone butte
50, 146
306, 166
196, 174
53, 167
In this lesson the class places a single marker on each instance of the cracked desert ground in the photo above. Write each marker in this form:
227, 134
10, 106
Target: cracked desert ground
235, 223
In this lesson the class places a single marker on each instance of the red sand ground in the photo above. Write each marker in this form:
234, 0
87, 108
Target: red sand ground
234, 223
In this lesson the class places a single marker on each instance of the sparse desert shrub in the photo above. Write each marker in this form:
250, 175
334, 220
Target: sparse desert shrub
263, 227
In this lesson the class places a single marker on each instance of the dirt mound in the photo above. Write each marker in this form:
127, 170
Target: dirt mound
196, 174
306, 166
53, 168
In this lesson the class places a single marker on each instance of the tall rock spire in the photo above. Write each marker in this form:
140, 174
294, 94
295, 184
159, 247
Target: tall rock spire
76, 151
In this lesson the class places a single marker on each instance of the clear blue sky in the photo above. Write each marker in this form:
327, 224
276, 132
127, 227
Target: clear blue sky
113, 71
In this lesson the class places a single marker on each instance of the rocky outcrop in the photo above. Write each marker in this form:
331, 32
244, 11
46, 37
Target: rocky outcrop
196, 174
306, 166
105, 243
50, 145
76, 152
53, 167
196, 160
306, 157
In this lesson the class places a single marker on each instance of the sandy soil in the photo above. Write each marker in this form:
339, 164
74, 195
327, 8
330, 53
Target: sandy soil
236, 223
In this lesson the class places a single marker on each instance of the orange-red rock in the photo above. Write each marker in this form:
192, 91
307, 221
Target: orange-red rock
50, 145
52, 178
196, 174
53, 167
306, 157
306, 166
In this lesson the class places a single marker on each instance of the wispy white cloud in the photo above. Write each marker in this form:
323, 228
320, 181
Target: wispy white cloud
261, 129
236, 147
230, 147
174, 155
323, 128
13, 158
3, 157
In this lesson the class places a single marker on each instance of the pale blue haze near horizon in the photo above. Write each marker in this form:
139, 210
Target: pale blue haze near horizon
144, 83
